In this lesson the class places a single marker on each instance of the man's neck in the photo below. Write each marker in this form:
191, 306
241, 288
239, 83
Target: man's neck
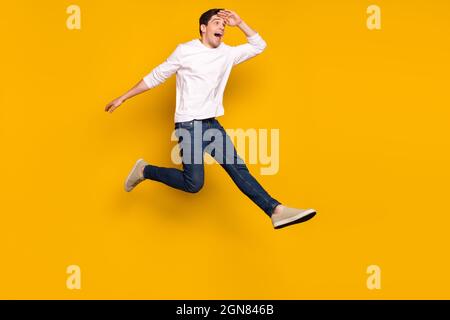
207, 44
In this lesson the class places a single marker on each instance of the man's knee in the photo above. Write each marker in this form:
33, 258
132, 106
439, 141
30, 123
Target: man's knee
195, 185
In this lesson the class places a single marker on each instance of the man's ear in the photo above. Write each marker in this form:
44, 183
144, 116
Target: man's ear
203, 28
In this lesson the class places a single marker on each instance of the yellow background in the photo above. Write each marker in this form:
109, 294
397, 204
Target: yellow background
364, 139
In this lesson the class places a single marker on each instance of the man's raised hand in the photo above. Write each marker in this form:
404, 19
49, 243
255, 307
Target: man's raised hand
231, 18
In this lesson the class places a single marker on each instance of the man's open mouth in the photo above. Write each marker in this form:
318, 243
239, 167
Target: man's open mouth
218, 35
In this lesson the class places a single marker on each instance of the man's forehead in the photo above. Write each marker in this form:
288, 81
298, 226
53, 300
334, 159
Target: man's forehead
216, 18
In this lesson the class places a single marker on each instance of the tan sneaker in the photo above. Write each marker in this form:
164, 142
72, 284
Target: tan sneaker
289, 216
135, 177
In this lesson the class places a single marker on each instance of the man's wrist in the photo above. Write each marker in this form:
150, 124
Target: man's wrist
249, 32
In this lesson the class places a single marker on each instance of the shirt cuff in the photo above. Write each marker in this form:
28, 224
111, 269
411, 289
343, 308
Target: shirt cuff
254, 37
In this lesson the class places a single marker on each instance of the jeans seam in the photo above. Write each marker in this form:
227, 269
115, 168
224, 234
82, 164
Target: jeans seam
248, 183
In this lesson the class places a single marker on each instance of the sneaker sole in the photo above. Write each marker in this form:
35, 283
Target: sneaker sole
131, 173
295, 219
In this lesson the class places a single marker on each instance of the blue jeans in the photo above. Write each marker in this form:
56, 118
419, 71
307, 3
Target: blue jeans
193, 142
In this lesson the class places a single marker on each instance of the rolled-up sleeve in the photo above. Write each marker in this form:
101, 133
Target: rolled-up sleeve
253, 47
165, 70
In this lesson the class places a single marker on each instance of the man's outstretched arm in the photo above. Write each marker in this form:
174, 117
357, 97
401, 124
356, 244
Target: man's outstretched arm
256, 43
157, 76
137, 89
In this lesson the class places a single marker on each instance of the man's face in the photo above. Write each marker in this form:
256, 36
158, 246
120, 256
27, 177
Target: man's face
214, 31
